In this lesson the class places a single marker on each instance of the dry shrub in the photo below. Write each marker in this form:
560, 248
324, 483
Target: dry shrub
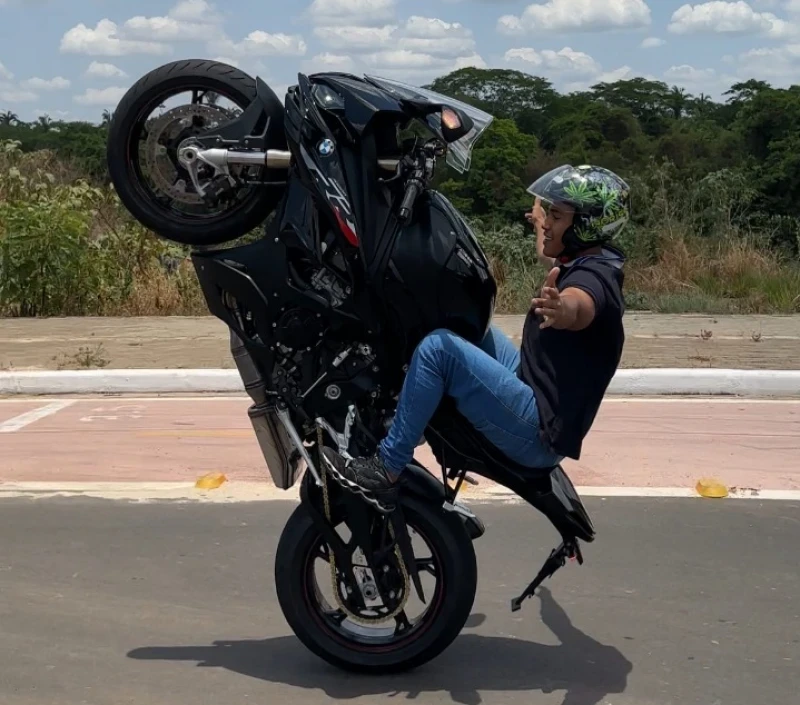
732, 274
156, 292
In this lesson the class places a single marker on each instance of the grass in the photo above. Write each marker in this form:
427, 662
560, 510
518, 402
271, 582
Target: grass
730, 275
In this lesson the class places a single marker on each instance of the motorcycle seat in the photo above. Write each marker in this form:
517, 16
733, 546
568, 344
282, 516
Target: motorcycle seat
466, 448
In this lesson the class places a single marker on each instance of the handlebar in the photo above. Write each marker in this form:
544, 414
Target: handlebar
413, 189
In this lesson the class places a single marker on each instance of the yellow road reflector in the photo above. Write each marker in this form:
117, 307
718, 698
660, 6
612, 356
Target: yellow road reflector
211, 481
712, 488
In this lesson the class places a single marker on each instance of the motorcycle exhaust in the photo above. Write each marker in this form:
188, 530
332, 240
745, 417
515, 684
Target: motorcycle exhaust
220, 159
280, 453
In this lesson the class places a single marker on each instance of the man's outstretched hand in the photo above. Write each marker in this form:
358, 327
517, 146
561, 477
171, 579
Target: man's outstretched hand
549, 305
570, 309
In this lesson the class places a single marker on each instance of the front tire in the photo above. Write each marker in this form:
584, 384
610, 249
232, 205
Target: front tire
127, 126
448, 607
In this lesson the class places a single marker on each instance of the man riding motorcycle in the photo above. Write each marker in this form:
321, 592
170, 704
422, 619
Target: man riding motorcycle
536, 405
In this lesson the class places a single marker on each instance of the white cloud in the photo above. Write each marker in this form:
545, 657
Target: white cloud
577, 15
434, 28
566, 61
328, 62
189, 20
355, 38
98, 69
622, 73
105, 40
727, 18
778, 65
411, 65
430, 35
227, 60
260, 43
652, 42
418, 35
17, 95
167, 29
106, 97
689, 75
5, 73
195, 11
53, 84
472, 61
367, 13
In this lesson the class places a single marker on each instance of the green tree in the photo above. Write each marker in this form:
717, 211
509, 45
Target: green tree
494, 187
9, 118
648, 101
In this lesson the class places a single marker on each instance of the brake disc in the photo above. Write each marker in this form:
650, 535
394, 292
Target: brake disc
167, 128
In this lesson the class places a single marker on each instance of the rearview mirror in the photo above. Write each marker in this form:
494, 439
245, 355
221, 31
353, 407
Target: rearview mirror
455, 124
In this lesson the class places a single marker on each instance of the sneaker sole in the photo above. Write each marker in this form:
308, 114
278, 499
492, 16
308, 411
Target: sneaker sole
353, 488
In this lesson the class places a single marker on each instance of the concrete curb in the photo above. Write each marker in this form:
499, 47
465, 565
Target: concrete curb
630, 382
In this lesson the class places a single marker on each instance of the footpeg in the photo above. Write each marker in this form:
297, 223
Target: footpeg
557, 559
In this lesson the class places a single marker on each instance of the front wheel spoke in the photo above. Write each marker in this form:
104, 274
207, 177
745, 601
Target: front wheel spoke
403, 625
427, 565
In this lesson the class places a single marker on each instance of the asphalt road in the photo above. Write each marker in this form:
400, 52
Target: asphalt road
680, 602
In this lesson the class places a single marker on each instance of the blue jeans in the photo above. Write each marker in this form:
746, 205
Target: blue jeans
483, 382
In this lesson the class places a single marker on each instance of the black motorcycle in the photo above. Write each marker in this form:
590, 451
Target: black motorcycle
360, 258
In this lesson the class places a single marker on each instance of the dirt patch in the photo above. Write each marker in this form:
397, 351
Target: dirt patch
653, 340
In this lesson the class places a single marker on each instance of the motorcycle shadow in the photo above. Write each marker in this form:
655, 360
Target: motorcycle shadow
585, 669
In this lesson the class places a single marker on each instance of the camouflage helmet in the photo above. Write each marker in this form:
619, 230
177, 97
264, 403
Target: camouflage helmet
599, 198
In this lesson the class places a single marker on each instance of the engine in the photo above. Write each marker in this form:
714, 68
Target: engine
315, 370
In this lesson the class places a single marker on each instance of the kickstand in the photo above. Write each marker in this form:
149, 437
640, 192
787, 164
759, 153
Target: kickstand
568, 549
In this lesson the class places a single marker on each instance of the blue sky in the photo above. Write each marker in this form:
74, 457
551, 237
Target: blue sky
74, 58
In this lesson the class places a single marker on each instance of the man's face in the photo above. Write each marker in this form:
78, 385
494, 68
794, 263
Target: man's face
558, 217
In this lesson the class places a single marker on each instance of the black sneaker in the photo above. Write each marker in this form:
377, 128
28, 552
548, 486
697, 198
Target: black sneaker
367, 477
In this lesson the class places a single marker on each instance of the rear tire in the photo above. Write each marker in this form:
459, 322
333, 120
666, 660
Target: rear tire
147, 93
451, 606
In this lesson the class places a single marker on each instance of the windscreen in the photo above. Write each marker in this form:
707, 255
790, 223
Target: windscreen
459, 153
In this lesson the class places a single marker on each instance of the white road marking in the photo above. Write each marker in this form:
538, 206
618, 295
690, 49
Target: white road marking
231, 492
29, 417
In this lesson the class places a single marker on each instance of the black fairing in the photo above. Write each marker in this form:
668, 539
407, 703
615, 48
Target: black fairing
437, 276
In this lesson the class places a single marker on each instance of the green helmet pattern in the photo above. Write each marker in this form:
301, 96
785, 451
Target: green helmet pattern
600, 199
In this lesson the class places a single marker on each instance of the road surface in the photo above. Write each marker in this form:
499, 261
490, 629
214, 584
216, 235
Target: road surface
688, 602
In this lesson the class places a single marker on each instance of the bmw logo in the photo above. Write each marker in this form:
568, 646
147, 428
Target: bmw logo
326, 147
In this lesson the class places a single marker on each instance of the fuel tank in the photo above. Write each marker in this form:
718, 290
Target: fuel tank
438, 276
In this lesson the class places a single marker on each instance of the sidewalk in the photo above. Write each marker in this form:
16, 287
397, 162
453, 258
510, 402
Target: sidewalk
653, 340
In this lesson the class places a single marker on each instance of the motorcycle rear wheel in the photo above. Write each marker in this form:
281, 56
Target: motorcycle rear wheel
127, 126
448, 607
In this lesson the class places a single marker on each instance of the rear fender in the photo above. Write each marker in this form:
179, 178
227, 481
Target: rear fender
260, 126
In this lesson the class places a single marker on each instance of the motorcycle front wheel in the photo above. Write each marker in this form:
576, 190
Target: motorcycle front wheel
399, 643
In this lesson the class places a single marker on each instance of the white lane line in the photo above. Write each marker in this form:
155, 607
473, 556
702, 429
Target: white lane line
262, 491
29, 417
